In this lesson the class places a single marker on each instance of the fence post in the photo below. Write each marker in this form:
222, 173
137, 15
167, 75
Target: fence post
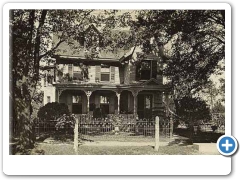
171, 127
156, 133
76, 136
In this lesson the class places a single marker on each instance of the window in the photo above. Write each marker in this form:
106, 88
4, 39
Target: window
104, 104
77, 73
77, 104
146, 70
105, 74
104, 99
48, 99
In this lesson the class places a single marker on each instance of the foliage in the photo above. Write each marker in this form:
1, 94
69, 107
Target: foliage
66, 123
190, 42
99, 113
214, 94
31, 42
52, 111
192, 110
218, 108
214, 128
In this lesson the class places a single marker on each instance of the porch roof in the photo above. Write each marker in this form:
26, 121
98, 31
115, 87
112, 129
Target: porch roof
113, 87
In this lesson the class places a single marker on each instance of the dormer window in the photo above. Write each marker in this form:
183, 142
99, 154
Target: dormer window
91, 37
146, 70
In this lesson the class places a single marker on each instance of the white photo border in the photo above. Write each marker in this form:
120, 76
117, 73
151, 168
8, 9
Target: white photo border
112, 164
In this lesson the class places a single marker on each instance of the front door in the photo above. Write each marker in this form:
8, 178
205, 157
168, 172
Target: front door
145, 106
77, 104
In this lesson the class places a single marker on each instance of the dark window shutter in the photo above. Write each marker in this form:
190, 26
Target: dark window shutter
97, 73
138, 71
154, 69
112, 72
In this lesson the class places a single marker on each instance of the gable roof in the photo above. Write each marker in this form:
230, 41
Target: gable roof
73, 47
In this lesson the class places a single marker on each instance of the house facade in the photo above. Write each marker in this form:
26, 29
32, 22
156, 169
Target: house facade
111, 82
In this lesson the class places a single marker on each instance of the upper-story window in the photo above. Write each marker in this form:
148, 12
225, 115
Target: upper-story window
146, 70
105, 74
77, 73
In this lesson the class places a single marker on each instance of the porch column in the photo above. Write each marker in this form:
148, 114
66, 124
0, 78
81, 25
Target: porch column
135, 94
118, 97
88, 93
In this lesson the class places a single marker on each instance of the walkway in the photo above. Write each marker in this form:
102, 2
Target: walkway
118, 143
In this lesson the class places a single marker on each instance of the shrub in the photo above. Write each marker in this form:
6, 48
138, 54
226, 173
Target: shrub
52, 111
65, 123
214, 128
99, 113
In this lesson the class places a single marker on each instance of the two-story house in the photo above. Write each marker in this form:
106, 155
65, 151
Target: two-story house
115, 82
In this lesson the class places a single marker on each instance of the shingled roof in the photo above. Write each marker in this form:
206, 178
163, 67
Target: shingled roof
76, 50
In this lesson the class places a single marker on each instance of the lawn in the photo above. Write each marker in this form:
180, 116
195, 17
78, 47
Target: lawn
67, 149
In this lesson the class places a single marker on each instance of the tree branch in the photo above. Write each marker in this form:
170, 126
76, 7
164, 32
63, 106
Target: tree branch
85, 15
52, 50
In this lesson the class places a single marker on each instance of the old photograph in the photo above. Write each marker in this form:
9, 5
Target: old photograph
116, 82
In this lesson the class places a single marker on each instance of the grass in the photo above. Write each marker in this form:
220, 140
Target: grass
121, 137
67, 149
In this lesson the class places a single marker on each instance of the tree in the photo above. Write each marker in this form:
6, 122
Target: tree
190, 42
192, 110
218, 108
31, 36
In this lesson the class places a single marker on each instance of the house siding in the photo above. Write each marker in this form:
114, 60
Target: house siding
126, 74
49, 91
91, 74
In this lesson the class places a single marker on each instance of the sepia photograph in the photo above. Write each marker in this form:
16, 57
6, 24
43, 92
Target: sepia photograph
116, 81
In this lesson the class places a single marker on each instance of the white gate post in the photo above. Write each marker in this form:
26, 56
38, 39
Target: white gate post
75, 146
156, 133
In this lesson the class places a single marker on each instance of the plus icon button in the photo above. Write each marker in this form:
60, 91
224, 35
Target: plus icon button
227, 145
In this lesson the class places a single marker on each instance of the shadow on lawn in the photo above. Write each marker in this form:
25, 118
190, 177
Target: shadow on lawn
180, 142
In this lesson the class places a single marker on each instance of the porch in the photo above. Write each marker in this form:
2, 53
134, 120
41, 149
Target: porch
139, 102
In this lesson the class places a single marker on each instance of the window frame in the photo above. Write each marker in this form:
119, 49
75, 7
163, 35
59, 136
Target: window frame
150, 70
105, 73
48, 99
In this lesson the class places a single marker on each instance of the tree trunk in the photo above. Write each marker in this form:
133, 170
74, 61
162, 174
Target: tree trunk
26, 128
